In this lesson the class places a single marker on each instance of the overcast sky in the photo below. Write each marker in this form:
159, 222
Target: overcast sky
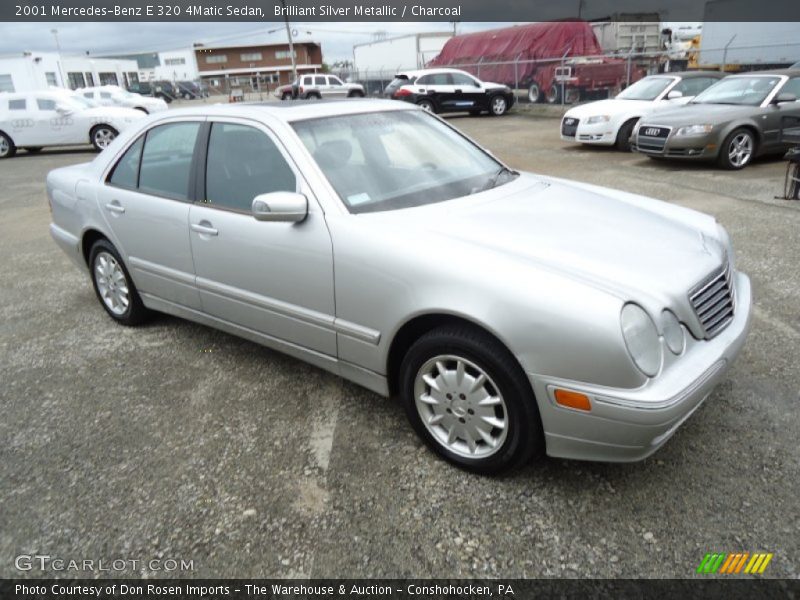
105, 38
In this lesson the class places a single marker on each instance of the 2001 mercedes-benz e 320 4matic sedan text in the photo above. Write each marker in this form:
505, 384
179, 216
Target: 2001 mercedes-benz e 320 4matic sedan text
511, 312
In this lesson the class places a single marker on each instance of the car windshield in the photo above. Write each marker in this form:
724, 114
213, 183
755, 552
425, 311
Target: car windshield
648, 88
397, 159
742, 91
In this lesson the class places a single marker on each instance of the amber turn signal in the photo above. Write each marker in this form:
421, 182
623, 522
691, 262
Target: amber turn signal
573, 400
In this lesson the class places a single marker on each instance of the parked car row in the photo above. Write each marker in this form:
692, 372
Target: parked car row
693, 116
34, 120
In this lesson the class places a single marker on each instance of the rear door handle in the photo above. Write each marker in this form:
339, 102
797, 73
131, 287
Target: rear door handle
115, 206
205, 228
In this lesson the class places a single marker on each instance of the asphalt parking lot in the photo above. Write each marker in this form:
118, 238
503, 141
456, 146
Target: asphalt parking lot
176, 441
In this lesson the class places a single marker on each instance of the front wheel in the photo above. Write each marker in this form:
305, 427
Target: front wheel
113, 285
286, 96
468, 398
498, 106
737, 150
355, 94
623, 141
102, 136
7, 147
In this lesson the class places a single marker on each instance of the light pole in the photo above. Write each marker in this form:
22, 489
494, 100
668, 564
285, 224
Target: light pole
291, 43
58, 49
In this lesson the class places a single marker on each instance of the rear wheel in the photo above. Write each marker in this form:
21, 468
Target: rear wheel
313, 96
498, 105
427, 105
7, 147
554, 95
113, 285
468, 398
534, 93
624, 134
355, 94
737, 150
102, 136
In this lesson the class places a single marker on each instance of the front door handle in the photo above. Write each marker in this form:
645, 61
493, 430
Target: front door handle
115, 206
205, 228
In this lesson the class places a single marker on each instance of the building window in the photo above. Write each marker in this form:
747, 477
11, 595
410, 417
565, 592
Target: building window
174, 61
89, 79
108, 79
76, 81
251, 56
216, 59
282, 54
51, 79
133, 77
6, 85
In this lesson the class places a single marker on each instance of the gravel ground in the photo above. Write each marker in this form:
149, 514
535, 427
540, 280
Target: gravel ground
177, 441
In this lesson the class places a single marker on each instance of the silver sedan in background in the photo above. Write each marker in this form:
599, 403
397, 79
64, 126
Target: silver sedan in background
511, 312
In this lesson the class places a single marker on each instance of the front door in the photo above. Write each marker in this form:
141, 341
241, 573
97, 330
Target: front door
271, 277
145, 202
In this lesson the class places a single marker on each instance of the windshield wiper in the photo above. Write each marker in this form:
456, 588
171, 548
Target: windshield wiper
496, 177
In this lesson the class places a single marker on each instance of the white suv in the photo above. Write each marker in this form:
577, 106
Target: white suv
320, 86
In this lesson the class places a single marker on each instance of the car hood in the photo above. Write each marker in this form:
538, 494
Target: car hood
609, 107
114, 112
622, 243
697, 114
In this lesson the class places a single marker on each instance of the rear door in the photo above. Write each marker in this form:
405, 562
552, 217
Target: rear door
439, 87
52, 127
145, 201
270, 277
773, 116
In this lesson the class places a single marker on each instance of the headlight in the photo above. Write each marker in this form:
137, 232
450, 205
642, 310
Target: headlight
674, 335
694, 130
598, 119
641, 339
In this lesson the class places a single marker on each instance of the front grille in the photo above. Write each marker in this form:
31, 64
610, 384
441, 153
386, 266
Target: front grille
714, 301
650, 138
569, 126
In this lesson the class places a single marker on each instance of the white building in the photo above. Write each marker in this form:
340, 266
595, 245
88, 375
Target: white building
386, 57
176, 65
31, 71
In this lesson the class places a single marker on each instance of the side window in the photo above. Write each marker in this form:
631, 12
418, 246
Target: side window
308, 80
792, 87
167, 160
16, 104
693, 86
45, 104
105, 95
319, 80
425, 80
126, 171
440, 79
242, 163
88, 95
335, 81
464, 80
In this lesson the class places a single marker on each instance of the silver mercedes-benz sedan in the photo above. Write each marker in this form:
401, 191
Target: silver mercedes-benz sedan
510, 312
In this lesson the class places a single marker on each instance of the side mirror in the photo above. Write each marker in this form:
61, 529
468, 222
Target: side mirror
781, 98
288, 207
674, 94
63, 110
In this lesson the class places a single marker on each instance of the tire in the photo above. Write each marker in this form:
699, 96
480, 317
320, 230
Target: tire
113, 285
355, 94
313, 96
7, 147
187, 96
427, 105
554, 95
623, 143
33, 149
738, 150
534, 93
101, 136
498, 105
455, 408
286, 96
141, 108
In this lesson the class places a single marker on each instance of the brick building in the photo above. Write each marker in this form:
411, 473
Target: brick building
255, 66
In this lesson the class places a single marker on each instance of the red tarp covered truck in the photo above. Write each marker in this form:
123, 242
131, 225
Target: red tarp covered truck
531, 56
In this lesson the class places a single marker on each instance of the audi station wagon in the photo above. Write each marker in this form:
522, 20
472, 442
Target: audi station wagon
512, 313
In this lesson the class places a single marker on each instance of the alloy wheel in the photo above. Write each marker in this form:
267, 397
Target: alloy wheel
499, 105
103, 137
4, 147
461, 406
740, 150
111, 283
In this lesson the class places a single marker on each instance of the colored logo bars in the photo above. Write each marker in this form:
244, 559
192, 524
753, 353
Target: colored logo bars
741, 562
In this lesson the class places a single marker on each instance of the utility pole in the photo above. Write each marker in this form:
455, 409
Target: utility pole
58, 49
291, 43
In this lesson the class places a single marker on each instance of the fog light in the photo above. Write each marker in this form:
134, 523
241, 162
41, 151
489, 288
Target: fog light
572, 400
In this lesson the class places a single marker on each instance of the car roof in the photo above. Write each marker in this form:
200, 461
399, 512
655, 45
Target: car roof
295, 110
421, 72
786, 72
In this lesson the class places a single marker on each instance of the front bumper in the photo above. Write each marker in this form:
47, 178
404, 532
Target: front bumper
703, 147
602, 134
629, 425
